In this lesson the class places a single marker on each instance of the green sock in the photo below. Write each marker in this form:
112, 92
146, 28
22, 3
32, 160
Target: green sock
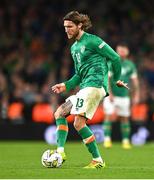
89, 140
107, 128
125, 130
62, 131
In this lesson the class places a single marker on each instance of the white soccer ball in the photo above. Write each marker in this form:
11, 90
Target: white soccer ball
51, 159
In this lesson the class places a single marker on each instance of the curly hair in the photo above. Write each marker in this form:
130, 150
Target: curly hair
77, 18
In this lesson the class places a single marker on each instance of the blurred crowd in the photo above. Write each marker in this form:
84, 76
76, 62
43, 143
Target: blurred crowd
34, 50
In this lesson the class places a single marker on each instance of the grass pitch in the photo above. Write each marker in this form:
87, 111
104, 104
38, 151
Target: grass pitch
22, 159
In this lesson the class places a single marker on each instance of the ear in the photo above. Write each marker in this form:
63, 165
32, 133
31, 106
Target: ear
80, 25
127, 51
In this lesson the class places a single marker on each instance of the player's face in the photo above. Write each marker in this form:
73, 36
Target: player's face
122, 51
71, 29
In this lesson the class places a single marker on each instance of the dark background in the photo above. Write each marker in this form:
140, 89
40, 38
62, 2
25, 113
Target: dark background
34, 54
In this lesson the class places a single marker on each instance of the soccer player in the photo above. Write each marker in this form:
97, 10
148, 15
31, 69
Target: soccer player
90, 54
119, 100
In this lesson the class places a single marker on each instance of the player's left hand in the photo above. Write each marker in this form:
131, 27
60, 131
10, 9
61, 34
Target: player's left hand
120, 83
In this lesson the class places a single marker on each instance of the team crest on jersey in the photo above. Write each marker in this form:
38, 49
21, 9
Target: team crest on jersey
82, 49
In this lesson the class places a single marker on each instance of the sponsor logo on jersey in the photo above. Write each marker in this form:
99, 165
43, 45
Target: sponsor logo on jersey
101, 45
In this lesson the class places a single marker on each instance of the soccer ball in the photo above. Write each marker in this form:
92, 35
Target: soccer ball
51, 159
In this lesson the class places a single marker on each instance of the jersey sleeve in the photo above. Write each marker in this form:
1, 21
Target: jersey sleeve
133, 71
72, 82
106, 51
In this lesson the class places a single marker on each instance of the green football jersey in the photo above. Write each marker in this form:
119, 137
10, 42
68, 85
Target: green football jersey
128, 71
90, 54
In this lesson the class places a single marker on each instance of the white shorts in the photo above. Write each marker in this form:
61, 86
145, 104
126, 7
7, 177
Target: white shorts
86, 101
120, 106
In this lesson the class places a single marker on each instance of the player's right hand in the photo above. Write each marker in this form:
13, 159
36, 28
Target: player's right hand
58, 88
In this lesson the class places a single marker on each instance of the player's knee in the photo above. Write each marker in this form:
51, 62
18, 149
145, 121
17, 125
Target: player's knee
58, 114
79, 124
76, 125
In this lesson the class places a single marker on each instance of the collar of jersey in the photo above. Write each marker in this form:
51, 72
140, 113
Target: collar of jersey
84, 33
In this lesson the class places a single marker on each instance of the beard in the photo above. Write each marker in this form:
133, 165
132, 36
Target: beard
75, 35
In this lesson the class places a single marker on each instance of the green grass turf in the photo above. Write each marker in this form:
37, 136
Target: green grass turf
22, 160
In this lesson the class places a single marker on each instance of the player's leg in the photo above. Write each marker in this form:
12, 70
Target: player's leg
85, 103
123, 112
107, 124
62, 126
125, 132
90, 142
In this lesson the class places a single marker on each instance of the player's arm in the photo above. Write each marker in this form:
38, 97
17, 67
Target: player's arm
114, 58
109, 86
135, 90
73, 82
106, 51
135, 85
66, 86
111, 55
